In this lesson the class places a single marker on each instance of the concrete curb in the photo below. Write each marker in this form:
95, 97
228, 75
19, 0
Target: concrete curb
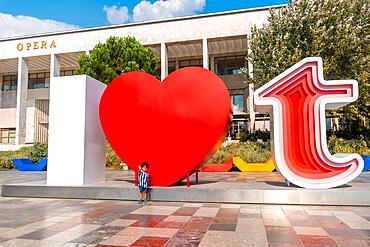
183, 194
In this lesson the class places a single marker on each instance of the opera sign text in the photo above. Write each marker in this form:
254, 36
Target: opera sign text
35, 45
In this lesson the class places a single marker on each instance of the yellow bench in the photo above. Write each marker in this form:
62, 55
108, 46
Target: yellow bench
268, 166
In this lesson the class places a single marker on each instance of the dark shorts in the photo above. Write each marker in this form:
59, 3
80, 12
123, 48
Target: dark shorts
143, 189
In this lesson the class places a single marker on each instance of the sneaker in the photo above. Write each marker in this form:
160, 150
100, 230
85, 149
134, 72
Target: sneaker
145, 202
139, 201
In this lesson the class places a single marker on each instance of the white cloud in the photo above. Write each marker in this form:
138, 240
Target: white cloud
116, 15
161, 9
21, 25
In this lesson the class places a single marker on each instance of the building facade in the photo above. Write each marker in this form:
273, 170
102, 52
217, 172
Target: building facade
217, 42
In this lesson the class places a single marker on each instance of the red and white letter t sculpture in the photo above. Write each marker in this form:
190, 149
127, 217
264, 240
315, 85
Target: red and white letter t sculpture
297, 100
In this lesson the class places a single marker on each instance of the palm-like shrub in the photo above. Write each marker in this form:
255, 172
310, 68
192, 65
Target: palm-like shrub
252, 152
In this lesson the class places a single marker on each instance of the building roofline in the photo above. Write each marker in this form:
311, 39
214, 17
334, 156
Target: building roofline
80, 30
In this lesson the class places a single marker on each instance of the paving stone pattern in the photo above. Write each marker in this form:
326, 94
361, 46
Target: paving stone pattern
56, 222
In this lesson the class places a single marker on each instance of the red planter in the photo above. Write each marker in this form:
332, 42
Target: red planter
225, 167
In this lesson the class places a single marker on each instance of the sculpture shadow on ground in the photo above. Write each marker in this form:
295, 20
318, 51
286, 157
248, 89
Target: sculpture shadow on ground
183, 183
178, 184
285, 185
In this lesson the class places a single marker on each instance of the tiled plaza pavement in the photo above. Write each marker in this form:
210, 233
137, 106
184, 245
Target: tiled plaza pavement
56, 222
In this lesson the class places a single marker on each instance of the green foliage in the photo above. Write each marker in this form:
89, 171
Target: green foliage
264, 136
6, 160
336, 30
115, 57
111, 158
248, 151
254, 152
338, 145
38, 152
6, 157
35, 153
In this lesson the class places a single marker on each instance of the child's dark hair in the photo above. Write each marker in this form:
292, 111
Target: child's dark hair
145, 164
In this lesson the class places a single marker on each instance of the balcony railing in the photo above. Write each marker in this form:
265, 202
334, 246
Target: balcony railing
233, 81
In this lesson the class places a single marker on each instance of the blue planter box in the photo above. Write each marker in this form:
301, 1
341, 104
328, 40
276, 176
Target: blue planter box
366, 163
27, 165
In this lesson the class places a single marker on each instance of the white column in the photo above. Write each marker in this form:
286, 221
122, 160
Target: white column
76, 154
54, 66
250, 70
21, 112
252, 114
205, 53
250, 65
164, 61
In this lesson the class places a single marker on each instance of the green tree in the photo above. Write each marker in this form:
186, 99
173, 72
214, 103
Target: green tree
115, 57
336, 30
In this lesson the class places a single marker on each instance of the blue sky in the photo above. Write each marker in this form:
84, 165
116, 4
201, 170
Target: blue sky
18, 17
90, 13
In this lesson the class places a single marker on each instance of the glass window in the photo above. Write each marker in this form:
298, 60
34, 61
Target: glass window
67, 72
4, 133
184, 63
171, 66
38, 80
157, 72
220, 65
236, 129
229, 65
9, 82
7, 136
196, 62
238, 102
191, 62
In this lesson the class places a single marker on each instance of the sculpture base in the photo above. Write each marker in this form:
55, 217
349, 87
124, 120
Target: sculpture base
230, 187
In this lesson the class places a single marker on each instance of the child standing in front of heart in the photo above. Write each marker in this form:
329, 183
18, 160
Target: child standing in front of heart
143, 183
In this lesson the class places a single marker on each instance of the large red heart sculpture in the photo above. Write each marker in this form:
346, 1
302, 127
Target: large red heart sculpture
174, 125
